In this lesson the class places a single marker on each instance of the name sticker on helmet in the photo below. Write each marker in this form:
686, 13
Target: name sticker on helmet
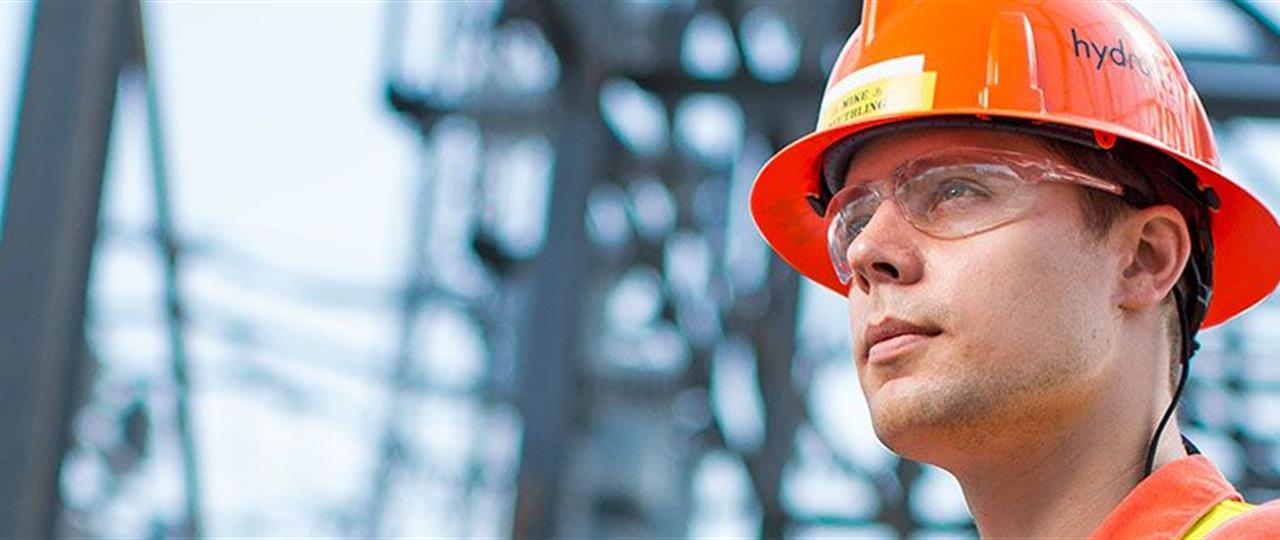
891, 86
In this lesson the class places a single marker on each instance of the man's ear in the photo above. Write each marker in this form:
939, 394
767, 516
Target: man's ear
1157, 246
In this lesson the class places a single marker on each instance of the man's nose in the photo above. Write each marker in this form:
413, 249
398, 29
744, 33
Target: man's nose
885, 252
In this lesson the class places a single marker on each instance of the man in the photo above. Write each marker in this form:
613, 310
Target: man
1023, 204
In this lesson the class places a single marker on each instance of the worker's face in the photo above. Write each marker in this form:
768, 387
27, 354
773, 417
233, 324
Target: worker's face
1011, 323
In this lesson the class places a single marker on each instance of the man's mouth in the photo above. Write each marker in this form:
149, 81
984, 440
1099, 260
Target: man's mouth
889, 338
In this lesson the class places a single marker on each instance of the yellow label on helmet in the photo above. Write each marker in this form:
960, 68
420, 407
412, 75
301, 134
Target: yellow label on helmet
899, 93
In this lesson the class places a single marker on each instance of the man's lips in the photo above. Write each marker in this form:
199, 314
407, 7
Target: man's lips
886, 339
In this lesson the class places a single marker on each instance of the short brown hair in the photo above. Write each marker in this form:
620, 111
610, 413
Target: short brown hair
1101, 210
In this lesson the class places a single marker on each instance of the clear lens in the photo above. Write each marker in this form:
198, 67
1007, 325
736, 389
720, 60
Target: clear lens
950, 194
951, 201
853, 209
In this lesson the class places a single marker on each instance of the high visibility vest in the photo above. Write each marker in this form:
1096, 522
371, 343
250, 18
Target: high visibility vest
1216, 517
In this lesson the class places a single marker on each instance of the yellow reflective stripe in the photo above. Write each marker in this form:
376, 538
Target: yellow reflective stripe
1224, 511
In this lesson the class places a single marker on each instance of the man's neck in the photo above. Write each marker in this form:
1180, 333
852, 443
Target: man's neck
1063, 489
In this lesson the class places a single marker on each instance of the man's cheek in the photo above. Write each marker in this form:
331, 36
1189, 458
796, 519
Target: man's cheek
983, 318
857, 318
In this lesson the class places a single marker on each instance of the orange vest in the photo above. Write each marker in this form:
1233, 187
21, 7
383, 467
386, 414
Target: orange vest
1189, 499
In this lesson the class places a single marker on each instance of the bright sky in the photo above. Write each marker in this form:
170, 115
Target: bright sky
15, 20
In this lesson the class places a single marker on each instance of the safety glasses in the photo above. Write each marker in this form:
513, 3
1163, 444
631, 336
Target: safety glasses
951, 193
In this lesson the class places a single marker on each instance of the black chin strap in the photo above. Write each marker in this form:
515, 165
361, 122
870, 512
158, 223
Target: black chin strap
1189, 347
1173, 404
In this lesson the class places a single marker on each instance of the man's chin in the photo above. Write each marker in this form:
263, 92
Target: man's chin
912, 440
917, 422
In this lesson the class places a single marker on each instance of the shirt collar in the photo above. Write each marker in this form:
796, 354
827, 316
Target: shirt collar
1167, 503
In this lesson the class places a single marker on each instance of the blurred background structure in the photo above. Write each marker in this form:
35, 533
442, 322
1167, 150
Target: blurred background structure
474, 269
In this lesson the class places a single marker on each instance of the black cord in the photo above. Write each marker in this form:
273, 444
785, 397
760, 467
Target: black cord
1189, 446
1173, 404
1189, 347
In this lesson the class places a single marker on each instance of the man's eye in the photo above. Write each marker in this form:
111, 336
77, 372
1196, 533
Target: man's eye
957, 188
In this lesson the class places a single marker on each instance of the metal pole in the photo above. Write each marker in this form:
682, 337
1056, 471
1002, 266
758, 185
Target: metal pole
401, 377
166, 238
55, 184
549, 357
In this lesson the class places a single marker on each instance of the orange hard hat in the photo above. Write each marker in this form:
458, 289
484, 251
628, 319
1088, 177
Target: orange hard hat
1095, 67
